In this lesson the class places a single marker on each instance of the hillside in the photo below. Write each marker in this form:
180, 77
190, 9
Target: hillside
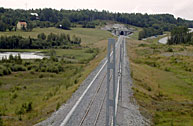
162, 76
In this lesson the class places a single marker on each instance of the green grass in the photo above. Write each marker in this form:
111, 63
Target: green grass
44, 89
163, 85
88, 35
47, 91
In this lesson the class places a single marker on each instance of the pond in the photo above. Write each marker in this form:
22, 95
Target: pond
163, 40
24, 55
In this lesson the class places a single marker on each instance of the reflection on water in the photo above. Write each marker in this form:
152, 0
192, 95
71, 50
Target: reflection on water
24, 55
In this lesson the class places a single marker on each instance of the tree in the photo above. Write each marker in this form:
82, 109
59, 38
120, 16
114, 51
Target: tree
42, 36
2, 26
10, 28
29, 26
64, 24
180, 35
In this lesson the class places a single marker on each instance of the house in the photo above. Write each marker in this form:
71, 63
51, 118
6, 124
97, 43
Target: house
20, 25
34, 16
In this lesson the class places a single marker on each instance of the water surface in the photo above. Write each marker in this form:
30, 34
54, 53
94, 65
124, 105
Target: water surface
24, 55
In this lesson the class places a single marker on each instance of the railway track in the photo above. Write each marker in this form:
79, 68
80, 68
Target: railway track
95, 95
87, 107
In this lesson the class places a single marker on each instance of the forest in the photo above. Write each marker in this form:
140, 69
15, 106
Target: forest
153, 24
181, 35
42, 42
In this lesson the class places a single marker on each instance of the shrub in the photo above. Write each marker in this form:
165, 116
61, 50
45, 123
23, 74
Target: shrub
168, 69
1, 72
14, 96
181, 49
54, 58
151, 63
27, 63
169, 50
43, 69
89, 50
75, 81
18, 68
32, 67
52, 69
32, 72
1, 121
149, 89
47, 96
25, 108
58, 106
41, 76
188, 69
4, 71
0, 83
142, 45
131, 74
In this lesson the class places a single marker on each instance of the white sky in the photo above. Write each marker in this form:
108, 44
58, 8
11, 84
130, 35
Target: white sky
180, 8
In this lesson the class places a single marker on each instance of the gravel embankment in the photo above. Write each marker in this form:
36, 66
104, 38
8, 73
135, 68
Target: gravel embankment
95, 100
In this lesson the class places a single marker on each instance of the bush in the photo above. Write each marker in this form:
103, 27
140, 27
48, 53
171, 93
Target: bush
0, 83
32, 72
142, 45
169, 50
52, 69
41, 76
89, 50
1, 72
168, 69
4, 71
58, 106
14, 96
27, 63
149, 89
25, 108
43, 69
188, 69
151, 63
1, 121
16, 68
30, 67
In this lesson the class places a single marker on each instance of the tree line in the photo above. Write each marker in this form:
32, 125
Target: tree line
50, 17
180, 35
42, 42
147, 32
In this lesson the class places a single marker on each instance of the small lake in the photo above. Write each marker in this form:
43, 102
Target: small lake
24, 55
163, 40
191, 30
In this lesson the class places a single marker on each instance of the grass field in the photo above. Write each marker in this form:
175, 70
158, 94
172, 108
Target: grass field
31, 96
163, 81
88, 35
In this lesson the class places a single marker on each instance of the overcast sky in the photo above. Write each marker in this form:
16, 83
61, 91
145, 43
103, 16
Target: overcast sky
180, 8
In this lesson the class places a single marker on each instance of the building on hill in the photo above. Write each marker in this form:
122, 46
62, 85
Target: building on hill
21, 25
